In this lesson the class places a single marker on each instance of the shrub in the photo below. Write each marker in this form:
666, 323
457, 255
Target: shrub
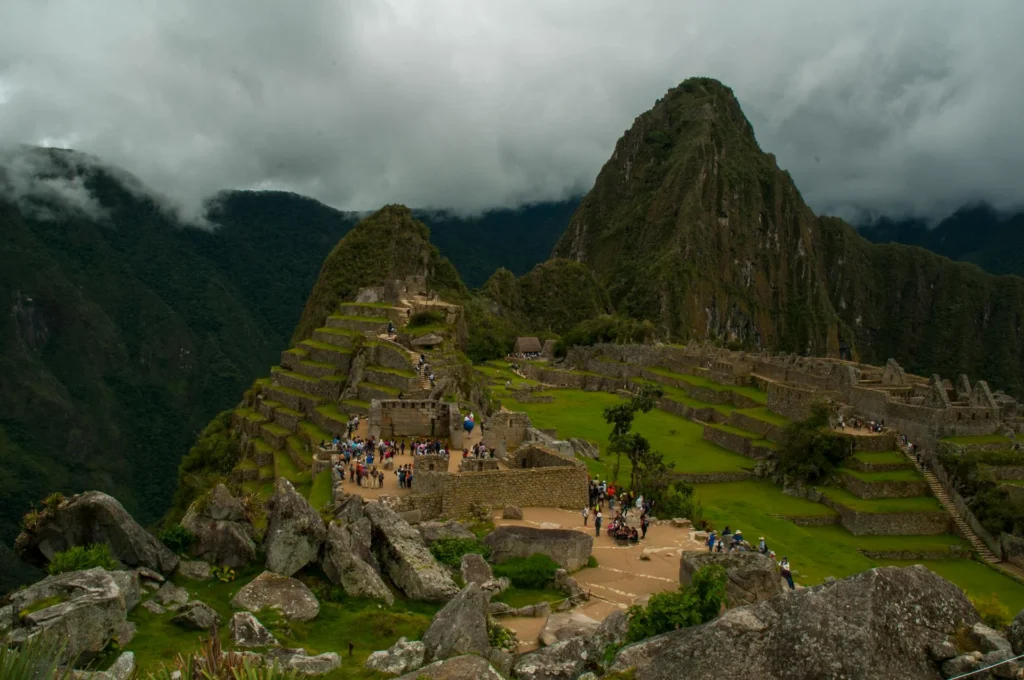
993, 612
177, 538
501, 637
450, 550
39, 657
82, 557
591, 562
53, 501
811, 452
691, 605
535, 572
605, 329
426, 318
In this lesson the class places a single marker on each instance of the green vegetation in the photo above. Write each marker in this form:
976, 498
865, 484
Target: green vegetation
427, 317
521, 597
979, 439
81, 557
762, 413
691, 605
988, 498
811, 452
605, 329
882, 505
883, 458
39, 657
450, 550
993, 612
535, 572
905, 475
177, 538
320, 495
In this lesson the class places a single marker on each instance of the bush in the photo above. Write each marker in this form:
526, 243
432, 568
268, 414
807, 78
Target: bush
993, 612
605, 329
450, 550
82, 557
691, 605
177, 538
535, 572
811, 452
39, 657
501, 637
426, 318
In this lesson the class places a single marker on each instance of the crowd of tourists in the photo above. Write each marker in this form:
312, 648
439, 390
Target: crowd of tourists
619, 504
478, 450
363, 461
733, 541
860, 424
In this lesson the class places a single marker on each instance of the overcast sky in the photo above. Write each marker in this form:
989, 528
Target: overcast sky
909, 106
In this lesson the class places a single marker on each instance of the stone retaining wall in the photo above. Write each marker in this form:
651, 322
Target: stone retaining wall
872, 490
558, 487
342, 361
384, 353
792, 402
1013, 549
988, 539
713, 477
890, 524
289, 421
729, 441
872, 443
411, 418
954, 551
765, 429
811, 520
329, 424
1006, 471
388, 379
577, 381
705, 414
876, 467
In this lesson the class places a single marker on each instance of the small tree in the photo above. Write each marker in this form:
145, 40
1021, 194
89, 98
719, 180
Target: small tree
810, 451
621, 416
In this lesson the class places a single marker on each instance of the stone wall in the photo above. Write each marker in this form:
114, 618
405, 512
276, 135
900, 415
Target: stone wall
712, 477
870, 490
532, 456
790, 401
767, 430
873, 443
961, 505
414, 418
477, 465
1013, 549
505, 430
577, 380
559, 487
1006, 471
729, 441
890, 524
705, 414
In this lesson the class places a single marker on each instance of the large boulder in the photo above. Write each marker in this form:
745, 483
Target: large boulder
171, 595
403, 555
570, 549
474, 569
129, 585
309, 665
563, 660
434, 531
348, 508
459, 668
362, 541
563, 626
343, 566
877, 624
295, 531
83, 609
224, 534
752, 577
247, 631
1016, 633
401, 657
289, 595
197, 615
460, 627
94, 517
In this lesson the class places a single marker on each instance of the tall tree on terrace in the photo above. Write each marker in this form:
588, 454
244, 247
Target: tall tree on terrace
621, 416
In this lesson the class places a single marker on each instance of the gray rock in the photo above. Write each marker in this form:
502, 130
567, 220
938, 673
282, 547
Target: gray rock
414, 516
495, 586
581, 447
89, 612
752, 576
153, 607
362, 542
247, 631
474, 569
311, 665
348, 508
1016, 633
1006, 668
965, 663
496, 608
512, 512
500, 660
460, 627
170, 594
342, 565
459, 668
295, 531
560, 627
988, 639
570, 549
568, 585
7, 619
128, 583
563, 660
149, 575
197, 616
434, 531
877, 624
94, 517
401, 657
403, 555
123, 667
224, 535
942, 651
612, 631
290, 595
197, 570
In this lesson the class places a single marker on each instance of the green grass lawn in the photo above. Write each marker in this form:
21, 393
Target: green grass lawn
752, 393
762, 413
320, 494
1012, 482
735, 430
679, 395
284, 467
261, 445
882, 505
314, 433
575, 413
883, 458
345, 317
521, 597
907, 475
365, 623
979, 439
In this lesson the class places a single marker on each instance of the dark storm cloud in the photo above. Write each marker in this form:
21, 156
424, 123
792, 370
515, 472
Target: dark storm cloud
907, 106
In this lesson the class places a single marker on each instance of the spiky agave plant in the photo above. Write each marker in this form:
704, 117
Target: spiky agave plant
38, 659
211, 662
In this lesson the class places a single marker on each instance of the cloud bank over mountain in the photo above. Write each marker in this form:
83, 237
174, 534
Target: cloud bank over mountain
905, 107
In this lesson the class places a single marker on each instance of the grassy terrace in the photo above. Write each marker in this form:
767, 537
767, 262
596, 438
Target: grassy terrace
751, 393
677, 394
735, 430
261, 445
394, 371
316, 364
383, 388
284, 467
331, 411
905, 475
274, 428
326, 346
882, 505
883, 458
763, 414
370, 305
314, 433
298, 393
359, 403
297, 351
978, 440
341, 331
320, 494
346, 317
304, 454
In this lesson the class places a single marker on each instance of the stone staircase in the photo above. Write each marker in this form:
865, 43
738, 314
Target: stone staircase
962, 527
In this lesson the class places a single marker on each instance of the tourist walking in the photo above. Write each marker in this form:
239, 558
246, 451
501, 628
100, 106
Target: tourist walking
644, 523
787, 573
711, 541
597, 524
586, 514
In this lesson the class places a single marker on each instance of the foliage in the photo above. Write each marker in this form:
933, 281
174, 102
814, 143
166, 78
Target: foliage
811, 452
211, 662
995, 508
223, 574
36, 659
993, 612
450, 550
691, 605
207, 463
53, 501
676, 500
81, 557
620, 417
501, 637
605, 329
535, 572
427, 317
591, 562
177, 538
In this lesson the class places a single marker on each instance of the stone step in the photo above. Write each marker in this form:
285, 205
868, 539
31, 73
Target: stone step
370, 391
361, 324
274, 434
338, 337
295, 381
293, 399
327, 353
315, 369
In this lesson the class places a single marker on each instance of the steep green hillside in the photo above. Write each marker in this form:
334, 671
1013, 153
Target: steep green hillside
692, 226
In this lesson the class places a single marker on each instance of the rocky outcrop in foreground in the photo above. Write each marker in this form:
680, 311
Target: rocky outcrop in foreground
343, 566
224, 534
403, 555
295, 531
570, 549
460, 627
878, 624
459, 668
752, 577
289, 595
94, 517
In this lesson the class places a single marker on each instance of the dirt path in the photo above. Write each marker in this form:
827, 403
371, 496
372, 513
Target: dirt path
621, 577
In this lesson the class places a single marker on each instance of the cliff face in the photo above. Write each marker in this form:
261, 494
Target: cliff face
692, 226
